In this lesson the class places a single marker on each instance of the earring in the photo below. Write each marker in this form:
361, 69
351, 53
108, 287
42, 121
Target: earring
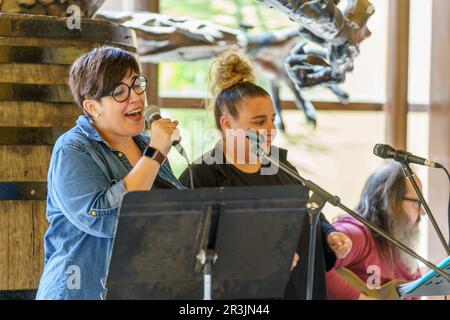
95, 116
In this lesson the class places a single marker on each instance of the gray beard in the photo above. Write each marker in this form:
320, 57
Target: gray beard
409, 237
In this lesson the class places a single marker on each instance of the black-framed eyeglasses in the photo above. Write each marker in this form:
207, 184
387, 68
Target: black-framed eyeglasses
416, 202
122, 91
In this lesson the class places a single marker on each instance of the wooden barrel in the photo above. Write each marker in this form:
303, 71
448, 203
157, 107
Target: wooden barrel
36, 107
50, 7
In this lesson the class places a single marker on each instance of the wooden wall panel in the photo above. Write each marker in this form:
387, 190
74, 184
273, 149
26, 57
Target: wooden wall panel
397, 74
439, 143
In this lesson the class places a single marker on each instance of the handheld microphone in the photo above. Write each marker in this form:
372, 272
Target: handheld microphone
385, 151
256, 140
151, 114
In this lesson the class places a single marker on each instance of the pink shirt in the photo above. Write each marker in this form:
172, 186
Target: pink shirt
364, 255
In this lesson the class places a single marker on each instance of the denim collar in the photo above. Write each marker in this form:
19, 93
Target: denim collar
85, 125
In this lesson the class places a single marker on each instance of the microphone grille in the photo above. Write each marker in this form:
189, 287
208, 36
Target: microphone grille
382, 150
150, 110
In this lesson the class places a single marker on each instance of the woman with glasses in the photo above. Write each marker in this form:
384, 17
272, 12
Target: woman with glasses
93, 165
389, 201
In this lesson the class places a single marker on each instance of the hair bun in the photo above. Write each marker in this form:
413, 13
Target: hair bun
229, 69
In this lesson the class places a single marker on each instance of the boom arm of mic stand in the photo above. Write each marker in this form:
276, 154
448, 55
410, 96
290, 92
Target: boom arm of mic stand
335, 201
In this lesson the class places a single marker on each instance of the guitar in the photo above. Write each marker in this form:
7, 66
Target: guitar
388, 291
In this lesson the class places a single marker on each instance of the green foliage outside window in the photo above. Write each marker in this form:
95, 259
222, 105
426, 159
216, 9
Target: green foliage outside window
190, 79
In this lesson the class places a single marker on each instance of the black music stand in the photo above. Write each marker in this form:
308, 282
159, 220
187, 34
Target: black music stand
252, 231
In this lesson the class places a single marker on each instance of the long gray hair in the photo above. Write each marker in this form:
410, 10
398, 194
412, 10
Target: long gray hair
381, 198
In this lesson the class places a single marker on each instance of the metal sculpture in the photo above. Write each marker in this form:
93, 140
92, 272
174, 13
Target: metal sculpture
167, 38
319, 52
338, 34
283, 56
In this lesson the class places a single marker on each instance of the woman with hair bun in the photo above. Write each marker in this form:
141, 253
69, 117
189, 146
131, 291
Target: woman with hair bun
240, 104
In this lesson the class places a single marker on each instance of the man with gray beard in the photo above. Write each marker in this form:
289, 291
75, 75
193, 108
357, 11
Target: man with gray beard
389, 201
406, 232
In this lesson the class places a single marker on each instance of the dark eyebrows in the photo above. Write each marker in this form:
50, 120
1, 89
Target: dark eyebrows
262, 117
258, 117
131, 77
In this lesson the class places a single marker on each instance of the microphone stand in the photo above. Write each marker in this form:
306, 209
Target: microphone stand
448, 176
409, 174
189, 165
317, 201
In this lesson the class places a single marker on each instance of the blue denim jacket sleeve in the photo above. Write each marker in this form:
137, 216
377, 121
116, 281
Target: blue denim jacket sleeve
84, 194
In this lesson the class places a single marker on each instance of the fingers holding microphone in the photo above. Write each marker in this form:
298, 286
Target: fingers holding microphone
176, 137
152, 114
163, 133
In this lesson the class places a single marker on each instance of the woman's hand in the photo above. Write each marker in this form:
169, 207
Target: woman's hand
340, 243
362, 296
295, 261
163, 133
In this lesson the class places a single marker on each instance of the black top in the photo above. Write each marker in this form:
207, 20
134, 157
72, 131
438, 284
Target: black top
214, 171
160, 183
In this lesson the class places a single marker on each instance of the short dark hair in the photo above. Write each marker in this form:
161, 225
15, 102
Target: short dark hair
97, 73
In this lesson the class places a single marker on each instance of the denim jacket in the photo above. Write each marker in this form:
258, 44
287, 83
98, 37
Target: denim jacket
85, 187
